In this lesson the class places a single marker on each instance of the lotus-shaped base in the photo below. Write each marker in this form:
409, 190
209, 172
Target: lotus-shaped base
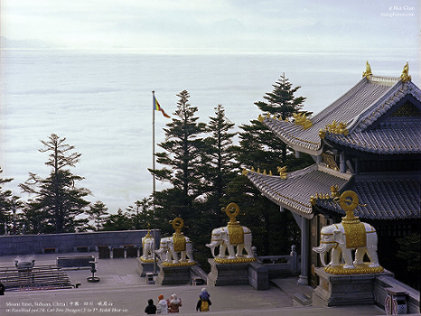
235, 260
178, 264
359, 269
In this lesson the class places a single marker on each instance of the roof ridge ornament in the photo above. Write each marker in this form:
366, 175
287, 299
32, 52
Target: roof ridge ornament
283, 172
300, 118
367, 73
405, 77
334, 195
338, 128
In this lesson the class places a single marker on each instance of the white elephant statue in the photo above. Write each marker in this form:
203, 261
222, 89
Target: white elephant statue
221, 237
148, 247
334, 238
167, 254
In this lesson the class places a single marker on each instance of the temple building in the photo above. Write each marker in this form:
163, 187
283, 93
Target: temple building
368, 141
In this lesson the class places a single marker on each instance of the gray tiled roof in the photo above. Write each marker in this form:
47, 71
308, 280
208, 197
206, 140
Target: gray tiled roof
345, 109
397, 139
405, 140
294, 193
360, 107
392, 196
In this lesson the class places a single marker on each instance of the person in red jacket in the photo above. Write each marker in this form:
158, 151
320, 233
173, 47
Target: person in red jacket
174, 304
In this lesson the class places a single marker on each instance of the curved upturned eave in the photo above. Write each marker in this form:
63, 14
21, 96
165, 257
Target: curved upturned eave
294, 192
287, 132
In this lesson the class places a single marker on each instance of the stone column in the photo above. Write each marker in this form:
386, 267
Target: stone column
303, 278
342, 166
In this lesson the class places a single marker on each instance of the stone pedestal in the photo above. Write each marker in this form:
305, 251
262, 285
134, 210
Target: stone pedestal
145, 267
351, 289
173, 275
228, 273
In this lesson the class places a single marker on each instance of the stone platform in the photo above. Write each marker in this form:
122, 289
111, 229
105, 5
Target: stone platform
228, 274
173, 274
351, 289
145, 267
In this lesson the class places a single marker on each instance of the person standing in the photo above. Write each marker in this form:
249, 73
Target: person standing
204, 301
174, 304
150, 308
162, 306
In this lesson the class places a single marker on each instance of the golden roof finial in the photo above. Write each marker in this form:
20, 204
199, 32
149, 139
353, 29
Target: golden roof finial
260, 118
367, 73
334, 191
405, 73
313, 200
283, 172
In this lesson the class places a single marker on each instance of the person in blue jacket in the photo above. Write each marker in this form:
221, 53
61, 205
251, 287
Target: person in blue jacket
204, 301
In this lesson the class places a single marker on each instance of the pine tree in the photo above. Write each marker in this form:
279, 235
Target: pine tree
273, 231
142, 214
218, 164
282, 103
97, 214
8, 204
119, 221
57, 201
182, 155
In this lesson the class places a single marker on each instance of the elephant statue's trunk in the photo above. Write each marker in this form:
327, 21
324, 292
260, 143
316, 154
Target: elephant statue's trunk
321, 250
212, 246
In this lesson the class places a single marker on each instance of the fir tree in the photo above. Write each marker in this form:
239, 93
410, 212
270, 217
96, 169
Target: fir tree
182, 155
282, 103
218, 164
142, 214
97, 213
119, 221
8, 204
273, 231
57, 200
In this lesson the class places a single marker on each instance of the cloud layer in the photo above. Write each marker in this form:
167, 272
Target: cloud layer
212, 25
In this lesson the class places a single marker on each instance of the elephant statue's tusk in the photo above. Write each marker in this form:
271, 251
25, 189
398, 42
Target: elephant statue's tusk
323, 258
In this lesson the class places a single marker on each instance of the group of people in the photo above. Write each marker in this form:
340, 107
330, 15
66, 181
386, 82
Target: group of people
173, 304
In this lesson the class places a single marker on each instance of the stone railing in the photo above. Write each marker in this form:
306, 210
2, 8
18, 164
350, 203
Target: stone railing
279, 266
387, 285
270, 267
73, 242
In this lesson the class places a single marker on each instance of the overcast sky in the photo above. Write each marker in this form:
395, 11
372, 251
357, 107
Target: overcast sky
212, 26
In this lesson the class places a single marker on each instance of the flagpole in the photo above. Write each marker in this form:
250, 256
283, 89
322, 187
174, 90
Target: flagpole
153, 146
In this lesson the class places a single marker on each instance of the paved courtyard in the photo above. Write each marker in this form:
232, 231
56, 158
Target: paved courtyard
122, 292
